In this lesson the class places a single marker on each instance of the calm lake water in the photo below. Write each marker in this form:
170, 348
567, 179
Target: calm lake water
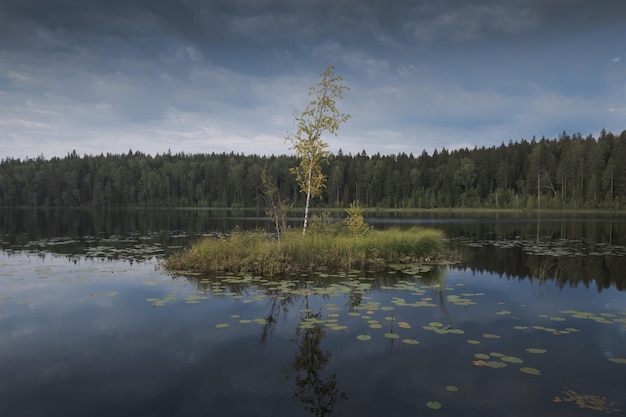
533, 322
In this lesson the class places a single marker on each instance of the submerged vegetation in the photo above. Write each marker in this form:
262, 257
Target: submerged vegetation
263, 254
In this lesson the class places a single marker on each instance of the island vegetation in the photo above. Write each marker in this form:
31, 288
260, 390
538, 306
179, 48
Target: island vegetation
330, 245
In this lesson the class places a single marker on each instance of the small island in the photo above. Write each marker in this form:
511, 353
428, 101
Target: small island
329, 244
350, 244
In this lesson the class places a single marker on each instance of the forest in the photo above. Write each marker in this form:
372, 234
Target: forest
568, 172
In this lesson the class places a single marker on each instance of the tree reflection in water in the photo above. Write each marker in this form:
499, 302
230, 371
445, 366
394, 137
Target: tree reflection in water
318, 392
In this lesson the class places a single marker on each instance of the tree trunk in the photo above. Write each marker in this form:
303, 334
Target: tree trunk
308, 199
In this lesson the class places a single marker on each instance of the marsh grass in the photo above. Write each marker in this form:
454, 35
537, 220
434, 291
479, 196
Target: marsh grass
262, 254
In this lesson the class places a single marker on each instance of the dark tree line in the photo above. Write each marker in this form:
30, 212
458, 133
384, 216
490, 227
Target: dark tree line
569, 172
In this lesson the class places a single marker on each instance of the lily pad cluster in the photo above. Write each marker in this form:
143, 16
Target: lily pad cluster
589, 401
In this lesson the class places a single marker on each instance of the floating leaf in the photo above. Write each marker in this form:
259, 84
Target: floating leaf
435, 324
530, 371
536, 350
512, 359
481, 355
618, 360
496, 364
435, 405
391, 335
364, 337
222, 325
490, 336
497, 355
520, 327
451, 388
410, 341
473, 342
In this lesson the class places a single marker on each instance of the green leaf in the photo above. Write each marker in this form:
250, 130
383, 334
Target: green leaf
435, 405
536, 350
512, 359
530, 371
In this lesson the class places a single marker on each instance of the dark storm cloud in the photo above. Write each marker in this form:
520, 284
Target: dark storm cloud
194, 69
298, 19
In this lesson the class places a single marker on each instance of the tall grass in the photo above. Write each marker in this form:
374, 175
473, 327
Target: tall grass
261, 254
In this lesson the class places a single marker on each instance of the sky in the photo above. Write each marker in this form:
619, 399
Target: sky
203, 76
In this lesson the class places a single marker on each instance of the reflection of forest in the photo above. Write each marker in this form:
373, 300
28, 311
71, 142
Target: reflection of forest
564, 262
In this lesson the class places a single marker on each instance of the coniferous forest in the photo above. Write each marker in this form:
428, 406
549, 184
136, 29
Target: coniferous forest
568, 172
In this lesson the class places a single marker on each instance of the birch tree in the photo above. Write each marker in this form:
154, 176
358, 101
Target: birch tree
320, 115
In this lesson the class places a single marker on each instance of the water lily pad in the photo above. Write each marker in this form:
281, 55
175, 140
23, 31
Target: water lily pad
410, 341
451, 388
435, 324
364, 337
618, 360
376, 326
391, 335
490, 336
473, 342
222, 325
520, 327
536, 350
530, 371
435, 405
481, 356
512, 359
497, 354
496, 364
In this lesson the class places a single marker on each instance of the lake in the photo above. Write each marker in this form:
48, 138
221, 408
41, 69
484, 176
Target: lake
532, 322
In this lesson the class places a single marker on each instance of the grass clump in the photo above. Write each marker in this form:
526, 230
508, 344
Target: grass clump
262, 254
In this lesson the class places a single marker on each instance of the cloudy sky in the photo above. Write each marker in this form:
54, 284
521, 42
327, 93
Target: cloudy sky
100, 76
